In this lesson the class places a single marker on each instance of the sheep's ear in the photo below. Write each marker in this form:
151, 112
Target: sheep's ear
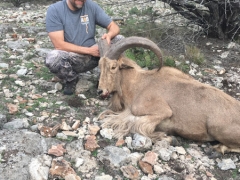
124, 64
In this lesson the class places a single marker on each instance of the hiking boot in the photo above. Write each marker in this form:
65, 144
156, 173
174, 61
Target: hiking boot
70, 87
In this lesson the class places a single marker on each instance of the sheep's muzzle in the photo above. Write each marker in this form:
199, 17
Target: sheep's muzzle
103, 93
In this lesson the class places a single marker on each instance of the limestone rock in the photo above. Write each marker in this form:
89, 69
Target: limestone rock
91, 143
145, 167
57, 150
150, 157
130, 172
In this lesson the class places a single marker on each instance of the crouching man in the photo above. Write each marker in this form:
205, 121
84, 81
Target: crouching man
71, 26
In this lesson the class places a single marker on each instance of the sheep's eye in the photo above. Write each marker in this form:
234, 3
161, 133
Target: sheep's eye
114, 65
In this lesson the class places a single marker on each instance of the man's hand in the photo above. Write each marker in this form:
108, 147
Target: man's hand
107, 37
93, 50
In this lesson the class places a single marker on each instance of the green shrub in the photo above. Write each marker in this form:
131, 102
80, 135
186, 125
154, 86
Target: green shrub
184, 67
148, 11
143, 57
169, 61
134, 10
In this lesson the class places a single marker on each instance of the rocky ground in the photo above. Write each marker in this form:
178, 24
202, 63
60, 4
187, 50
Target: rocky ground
46, 135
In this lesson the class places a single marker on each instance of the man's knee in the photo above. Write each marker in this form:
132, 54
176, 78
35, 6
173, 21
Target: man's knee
52, 57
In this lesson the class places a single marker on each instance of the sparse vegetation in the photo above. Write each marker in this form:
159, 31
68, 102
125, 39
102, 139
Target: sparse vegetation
134, 10
44, 73
94, 153
70, 138
185, 145
194, 55
109, 11
235, 173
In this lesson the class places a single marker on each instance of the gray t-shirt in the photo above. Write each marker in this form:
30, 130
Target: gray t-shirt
79, 26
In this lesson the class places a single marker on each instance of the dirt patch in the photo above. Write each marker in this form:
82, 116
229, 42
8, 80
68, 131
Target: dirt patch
75, 101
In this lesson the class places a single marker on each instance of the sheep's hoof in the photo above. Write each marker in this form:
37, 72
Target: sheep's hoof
212, 154
174, 141
215, 155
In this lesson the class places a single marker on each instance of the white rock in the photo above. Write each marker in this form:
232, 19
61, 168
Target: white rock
61, 136
2, 76
208, 43
59, 102
81, 133
182, 157
20, 83
226, 164
44, 104
58, 86
29, 114
79, 162
87, 120
158, 169
165, 154
128, 141
82, 96
104, 177
174, 155
4, 65
39, 167
224, 55
22, 72
107, 133
231, 45
7, 93
52, 92
141, 142
135, 157
195, 153
180, 150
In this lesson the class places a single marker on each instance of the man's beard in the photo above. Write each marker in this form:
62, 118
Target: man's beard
77, 6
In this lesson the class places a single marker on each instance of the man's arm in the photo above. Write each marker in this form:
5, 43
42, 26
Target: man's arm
57, 38
113, 30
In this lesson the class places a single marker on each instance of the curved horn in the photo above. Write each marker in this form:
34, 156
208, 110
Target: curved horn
117, 49
103, 47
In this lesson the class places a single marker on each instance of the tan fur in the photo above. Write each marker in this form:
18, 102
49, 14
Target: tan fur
154, 103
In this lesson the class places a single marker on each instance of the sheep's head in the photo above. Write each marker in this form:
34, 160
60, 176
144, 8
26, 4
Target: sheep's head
109, 80
110, 62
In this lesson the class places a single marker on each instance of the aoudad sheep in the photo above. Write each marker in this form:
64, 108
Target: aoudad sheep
164, 102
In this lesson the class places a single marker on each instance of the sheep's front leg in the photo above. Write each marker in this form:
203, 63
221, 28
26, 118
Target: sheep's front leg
142, 117
149, 113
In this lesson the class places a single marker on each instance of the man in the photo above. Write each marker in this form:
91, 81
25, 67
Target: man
71, 26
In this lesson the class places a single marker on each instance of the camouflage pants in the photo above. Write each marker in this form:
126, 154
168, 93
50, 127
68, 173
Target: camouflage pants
67, 65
